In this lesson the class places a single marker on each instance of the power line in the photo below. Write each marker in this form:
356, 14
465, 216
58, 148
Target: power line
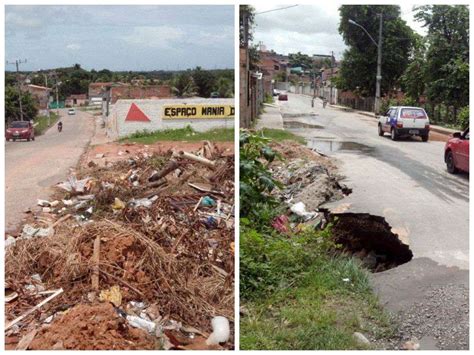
280, 8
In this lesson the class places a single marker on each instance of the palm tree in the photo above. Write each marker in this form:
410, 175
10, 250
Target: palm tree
183, 85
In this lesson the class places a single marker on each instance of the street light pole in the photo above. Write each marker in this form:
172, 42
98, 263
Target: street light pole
17, 64
379, 68
379, 61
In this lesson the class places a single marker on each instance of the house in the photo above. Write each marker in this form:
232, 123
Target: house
76, 100
40, 95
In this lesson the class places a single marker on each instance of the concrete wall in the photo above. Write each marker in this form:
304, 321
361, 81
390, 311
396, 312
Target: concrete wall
282, 86
153, 108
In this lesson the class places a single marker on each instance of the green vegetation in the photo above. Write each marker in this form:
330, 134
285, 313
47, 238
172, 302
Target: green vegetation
42, 123
268, 99
181, 134
281, 135
296, 292
12, 105
432, 71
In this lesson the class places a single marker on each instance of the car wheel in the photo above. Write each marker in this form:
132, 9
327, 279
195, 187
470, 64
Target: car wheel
33, 138
393, 134
27, 139
380, 130
424, 138
450, 163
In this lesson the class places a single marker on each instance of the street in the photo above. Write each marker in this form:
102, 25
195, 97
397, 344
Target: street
406, 182
31, 168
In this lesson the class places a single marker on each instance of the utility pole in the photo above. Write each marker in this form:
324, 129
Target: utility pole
332, 72
17, 64
379, 68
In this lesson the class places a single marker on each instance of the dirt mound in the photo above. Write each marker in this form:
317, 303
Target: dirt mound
92, 327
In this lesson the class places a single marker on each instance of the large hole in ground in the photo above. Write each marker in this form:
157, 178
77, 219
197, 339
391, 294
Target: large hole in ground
369, 238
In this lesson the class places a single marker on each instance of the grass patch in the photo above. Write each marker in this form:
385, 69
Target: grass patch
281, 135
42, 123
181, 134
321, 312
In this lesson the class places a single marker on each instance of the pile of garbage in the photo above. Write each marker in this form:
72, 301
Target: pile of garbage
151, 237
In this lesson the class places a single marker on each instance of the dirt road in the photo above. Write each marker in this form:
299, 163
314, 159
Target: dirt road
32, 167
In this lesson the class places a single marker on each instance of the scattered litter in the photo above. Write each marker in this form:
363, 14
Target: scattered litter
99, 156
30, 231
118, 204
220, 331
74, 185
208, 201
141, 323
300, 210
43, 203
112, 295
9, 241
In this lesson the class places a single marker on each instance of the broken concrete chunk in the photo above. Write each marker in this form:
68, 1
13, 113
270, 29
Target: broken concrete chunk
360, 338
99, 155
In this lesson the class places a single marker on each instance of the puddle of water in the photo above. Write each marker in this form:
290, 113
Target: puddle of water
328, 146
297, 124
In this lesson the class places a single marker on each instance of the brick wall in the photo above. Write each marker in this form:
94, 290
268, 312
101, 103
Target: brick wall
140, 92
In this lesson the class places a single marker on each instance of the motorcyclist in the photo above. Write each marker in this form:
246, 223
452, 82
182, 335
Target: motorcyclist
325, 102
60, 126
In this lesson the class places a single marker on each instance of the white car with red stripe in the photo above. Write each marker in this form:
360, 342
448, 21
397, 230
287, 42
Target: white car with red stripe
402, 121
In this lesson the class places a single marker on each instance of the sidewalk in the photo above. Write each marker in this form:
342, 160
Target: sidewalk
270, 118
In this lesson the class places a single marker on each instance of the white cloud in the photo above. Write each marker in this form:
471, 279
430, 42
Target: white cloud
73, 46
154, 36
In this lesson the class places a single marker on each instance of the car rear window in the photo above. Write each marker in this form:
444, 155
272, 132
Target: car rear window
19, 124
412, 113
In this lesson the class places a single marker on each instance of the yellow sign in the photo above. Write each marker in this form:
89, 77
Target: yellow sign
176, 112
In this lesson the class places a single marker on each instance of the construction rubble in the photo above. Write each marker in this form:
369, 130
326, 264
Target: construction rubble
135, 254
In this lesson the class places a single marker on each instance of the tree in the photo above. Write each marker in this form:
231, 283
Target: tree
225, 87
300, 60
359, 63
447, 59
204, 80
183, 85
413, 79
12, 105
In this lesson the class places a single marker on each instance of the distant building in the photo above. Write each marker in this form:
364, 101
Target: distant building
76, 100
40, 95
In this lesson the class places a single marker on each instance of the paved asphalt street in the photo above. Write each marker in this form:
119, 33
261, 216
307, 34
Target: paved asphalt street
407, 183
32, 167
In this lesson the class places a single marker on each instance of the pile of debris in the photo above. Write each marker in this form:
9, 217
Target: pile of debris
309, 180
143, 248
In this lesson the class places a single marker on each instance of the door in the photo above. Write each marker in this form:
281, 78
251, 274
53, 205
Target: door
385, 120
463, 151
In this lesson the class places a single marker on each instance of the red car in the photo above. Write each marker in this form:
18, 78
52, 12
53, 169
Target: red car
456, 152
20, 130
283, 97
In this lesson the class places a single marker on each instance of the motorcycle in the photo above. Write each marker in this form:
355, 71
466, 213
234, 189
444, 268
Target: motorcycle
60, 126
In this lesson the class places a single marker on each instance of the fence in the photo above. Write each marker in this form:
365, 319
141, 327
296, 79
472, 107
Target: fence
359, 103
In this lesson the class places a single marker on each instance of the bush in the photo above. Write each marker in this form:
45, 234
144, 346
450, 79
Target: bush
463, 117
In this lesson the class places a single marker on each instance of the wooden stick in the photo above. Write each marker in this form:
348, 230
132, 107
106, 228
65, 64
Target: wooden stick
201, 160
61, 220
25, 342
171, 166
38, 306
95, 264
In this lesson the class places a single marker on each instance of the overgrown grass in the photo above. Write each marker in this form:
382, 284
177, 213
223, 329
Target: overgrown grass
42, 123
320, 312
281, 135
297, 292
181, 134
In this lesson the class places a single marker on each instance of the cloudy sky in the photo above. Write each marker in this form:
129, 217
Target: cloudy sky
120, 37
310, 29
